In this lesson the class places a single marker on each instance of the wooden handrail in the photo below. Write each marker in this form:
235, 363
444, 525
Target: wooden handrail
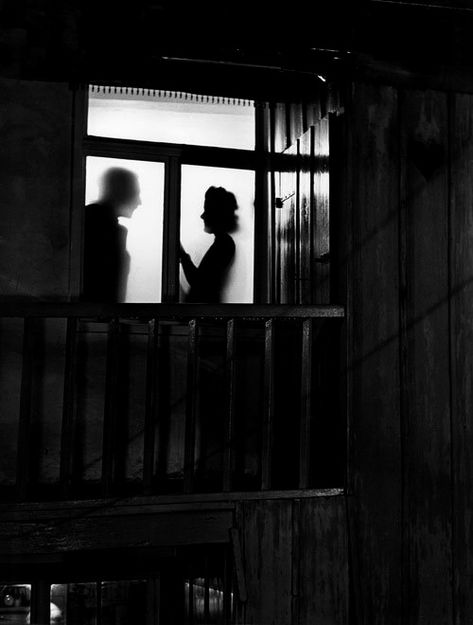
167, 311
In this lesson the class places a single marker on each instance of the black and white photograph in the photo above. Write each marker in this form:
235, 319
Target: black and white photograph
236, 312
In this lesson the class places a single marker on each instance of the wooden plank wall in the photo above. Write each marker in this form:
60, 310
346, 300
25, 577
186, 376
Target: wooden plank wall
376, 424
296, 561
411, 311
461, 332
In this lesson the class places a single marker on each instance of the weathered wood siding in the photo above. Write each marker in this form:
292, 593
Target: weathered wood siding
296, 564
410, 305
376, 424
35, 182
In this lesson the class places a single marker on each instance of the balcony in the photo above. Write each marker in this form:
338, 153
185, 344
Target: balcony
100, 401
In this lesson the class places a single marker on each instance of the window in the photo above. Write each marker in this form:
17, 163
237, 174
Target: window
173, 146
15, 603
191, 584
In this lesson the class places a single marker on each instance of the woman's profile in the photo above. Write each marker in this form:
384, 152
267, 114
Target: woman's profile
208, 278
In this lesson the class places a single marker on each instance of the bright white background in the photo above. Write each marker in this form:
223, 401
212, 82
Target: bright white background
145, 228
149, 118
195, 182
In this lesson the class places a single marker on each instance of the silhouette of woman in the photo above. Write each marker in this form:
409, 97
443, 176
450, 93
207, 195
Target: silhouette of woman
208, 279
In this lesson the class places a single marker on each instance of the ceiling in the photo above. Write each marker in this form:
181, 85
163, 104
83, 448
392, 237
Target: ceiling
236, 47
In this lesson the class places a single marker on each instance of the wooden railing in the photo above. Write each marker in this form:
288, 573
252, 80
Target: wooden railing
254, 404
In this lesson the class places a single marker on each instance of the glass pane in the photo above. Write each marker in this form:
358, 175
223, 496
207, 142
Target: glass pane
235, 284
74, 604
123, 602
172, 118
139, 268
204, 600
15, 601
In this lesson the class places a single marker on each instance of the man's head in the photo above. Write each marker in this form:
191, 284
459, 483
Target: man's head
120, 188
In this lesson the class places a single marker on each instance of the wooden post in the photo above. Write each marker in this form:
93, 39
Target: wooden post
266, 456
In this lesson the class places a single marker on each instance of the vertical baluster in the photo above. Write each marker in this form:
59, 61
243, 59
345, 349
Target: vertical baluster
228, 456
237, 552
191, 596
306, 404
69, 408
227, 588
24, 429
153, 592
191, 406
266, 456
111, 404
152, 364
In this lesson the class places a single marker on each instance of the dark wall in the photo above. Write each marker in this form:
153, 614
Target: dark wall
410, 305
35, 175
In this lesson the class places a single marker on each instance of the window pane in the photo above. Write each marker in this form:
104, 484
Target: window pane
74, 604
171, 118
238, 281
15, 601
145, 226
123, 602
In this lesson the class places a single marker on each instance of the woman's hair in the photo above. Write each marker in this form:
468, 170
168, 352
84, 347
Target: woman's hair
220, 206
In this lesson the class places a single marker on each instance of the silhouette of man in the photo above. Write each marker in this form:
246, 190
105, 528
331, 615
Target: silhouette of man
208, 279
106, 261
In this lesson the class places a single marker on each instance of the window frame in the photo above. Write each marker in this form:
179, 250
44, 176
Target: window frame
173, 156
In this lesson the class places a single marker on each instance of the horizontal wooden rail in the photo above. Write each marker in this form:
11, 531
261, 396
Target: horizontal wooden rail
224, 405
167, 311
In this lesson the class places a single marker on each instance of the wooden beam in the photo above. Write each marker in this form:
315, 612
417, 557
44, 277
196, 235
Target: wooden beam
9, 308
